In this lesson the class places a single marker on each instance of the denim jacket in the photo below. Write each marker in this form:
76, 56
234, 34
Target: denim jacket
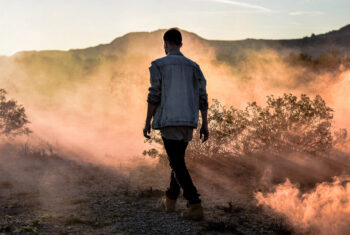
178, 88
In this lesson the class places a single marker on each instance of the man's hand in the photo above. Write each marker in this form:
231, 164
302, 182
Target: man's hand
146, 130
204, 131
151, 109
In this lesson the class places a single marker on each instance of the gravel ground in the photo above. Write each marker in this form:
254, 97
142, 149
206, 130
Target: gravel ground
128, 213
42, 194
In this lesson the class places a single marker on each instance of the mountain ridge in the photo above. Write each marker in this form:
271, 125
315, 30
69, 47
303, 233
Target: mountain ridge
334, 36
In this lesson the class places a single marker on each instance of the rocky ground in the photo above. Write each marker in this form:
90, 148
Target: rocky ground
41, 194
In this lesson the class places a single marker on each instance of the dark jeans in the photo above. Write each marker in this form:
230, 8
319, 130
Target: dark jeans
180, 176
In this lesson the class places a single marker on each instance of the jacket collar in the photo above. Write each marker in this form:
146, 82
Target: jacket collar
175, 52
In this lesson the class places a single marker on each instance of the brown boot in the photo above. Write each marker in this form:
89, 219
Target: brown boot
168, 204
194, 212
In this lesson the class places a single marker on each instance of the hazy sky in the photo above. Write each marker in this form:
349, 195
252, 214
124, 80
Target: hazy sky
65, 24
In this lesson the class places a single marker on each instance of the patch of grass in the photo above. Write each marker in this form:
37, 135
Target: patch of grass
12, 205
21, 194
45, 218
79, 201
75, 219
6, 185
27, 229
231, 208
220, 226
147, 193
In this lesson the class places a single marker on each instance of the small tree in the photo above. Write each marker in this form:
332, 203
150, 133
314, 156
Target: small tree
13, 119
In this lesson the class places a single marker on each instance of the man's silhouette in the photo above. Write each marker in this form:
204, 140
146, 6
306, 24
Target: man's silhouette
177, 93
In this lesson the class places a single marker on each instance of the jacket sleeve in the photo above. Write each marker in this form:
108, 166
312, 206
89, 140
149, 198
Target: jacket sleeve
154, 94
203, 95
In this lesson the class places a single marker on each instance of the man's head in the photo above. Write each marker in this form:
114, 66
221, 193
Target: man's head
172, 40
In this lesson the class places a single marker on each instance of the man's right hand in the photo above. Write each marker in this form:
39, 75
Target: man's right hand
147, 130
204, 131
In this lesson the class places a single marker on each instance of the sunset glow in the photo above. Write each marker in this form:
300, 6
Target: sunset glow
52, 25
74, 86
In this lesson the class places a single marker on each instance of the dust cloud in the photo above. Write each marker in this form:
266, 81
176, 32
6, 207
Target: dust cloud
324, 210
90, 105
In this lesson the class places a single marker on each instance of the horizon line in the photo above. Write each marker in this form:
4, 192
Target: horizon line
163, 29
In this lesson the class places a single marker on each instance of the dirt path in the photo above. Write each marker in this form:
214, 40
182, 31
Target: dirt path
127, 213
54, 195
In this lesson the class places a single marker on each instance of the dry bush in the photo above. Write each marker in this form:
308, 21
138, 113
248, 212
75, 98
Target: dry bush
13, 119
285, 124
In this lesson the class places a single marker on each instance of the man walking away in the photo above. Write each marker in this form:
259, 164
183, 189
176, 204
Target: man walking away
177, 93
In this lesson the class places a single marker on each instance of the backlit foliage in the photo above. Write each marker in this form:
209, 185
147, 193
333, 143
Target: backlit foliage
285, 124
13, 119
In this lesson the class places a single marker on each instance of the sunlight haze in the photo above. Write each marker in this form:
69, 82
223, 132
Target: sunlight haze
62, 25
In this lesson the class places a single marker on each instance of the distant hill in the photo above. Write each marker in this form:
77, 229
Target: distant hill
334, 40
128, 57
149, 42
337, 40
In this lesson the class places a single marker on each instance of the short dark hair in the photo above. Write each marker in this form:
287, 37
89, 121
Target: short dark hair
173, 35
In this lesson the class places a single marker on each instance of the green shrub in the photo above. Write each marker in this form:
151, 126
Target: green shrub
13, 119
285, 124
